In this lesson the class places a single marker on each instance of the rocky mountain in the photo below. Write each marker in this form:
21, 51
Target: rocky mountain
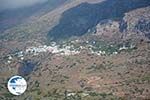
77, 50
78, 20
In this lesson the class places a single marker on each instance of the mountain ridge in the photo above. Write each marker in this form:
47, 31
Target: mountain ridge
76, 21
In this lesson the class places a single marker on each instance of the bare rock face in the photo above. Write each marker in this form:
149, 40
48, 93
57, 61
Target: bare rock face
144, 27
132, 18
107, 28
138, 22
134, 25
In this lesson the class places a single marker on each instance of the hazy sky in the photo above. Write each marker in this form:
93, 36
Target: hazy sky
12, 4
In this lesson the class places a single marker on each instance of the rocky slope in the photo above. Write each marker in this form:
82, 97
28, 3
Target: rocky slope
78, 20
106, 59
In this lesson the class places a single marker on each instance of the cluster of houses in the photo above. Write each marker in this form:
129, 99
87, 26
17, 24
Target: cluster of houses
98, 52
71, 94
51, 49
41, 49
101, 53
55, 49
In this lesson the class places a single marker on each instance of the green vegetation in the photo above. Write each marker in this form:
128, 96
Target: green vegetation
37, 83
146, 78
72, 65
140, 80
1, 87
8, 95
100, 67
56, 94
97, 67
92, 96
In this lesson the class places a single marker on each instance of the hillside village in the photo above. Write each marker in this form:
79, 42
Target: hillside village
70, 49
